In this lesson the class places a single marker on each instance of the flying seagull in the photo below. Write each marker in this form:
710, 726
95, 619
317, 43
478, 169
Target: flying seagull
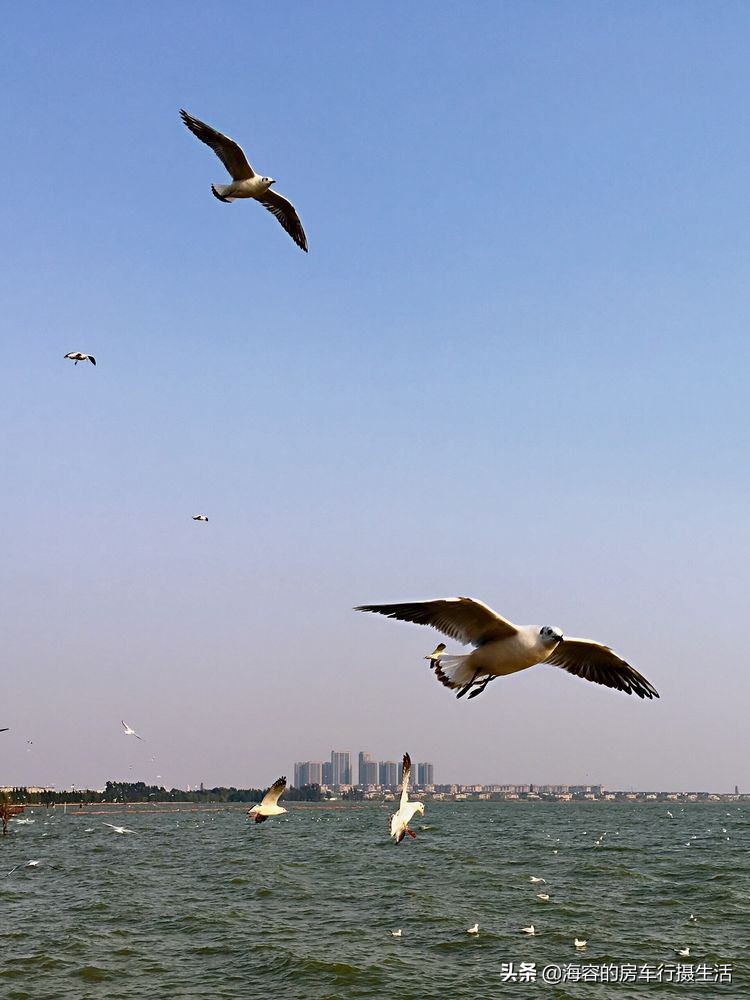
200, 517
268, 804
118, 829
535, 879
29, 864
76, 356
131, 732
504, 648
245, 182
402, 817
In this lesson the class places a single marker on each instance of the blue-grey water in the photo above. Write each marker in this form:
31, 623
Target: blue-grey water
206, 904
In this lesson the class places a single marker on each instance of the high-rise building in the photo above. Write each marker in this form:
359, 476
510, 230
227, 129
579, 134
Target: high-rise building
364, 759
389, 773
341, 767
308, 772
327, 772
425, 774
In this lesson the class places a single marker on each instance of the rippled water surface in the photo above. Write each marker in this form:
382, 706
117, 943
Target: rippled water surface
204, 904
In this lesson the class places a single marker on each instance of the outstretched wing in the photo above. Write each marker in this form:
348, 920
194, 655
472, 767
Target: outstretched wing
405, 781
228, 151
595, 662
274, 793
286, 213
470, 622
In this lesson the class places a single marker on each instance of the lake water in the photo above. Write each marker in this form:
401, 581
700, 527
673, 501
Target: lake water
206, 904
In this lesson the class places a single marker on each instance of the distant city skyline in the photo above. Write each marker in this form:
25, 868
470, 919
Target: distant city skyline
339, 772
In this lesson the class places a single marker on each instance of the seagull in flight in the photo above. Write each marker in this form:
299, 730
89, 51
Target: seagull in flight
535, 879
131, 732
76, 356
200, 517
403, 816
245, 182
503, 648
118, 829
269, 803
29, 864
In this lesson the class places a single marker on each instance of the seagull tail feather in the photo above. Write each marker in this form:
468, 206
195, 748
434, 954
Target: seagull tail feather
219, 192
453, 671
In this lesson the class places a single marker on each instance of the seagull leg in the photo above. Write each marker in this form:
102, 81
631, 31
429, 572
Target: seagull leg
481, 688
411, 833
466, 687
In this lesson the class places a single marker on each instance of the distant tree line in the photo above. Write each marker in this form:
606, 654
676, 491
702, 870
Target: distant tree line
139, 791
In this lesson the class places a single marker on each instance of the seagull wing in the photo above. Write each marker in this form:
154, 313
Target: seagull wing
230, 154
274, 793
595, 662
92, 359
286, 213
5, 729
470, 622
405, 782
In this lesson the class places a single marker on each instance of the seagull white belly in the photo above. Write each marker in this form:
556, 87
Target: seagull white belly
251, 187
505, 656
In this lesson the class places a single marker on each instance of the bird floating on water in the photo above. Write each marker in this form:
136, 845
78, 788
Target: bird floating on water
200, 517
76, 356
579, 944
396, 933
268, 804
683, 952
473, 930
535, 879
528, 930
245, 182
131, 732
402, 817
544, 896
504, 648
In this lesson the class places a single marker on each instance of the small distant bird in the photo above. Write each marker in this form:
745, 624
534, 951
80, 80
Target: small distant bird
131, 732
473, 930
245, 182
683, 952
76, 356
200, 517
29, 864
118, 829
544, 896
268, 804
693, 918
6, 729
528, 930
579, 944
402, 817
504, 648
535, 879
396, 933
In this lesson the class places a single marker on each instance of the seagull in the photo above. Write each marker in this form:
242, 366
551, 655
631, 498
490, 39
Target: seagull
528, 930
473, 930
683, 952
579, 944
268, 806
504, 648
245, 182
131, 732
29, 864
396, 933
402, 817
118, 829
76, 356
544, 896
693, 918
200, 517
535, 879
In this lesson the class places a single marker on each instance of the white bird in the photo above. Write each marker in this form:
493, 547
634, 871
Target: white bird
671, 816
544, 896
579, 944
528, 930
200, 517
693, 918
76, 356
29, 864
683, 952
396, 933
245, 182
118, 829
535, 879
131, 732
504, 648
473, 930
268, 804
402, 817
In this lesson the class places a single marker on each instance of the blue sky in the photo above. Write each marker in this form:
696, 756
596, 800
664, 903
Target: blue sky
513, 365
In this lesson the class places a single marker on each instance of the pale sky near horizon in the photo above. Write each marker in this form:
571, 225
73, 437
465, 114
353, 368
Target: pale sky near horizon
513, 365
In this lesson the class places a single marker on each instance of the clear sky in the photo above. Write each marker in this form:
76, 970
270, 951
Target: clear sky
514, 365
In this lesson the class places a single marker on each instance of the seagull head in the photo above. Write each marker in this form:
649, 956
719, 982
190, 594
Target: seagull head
268, 181
419, 807
550, 635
